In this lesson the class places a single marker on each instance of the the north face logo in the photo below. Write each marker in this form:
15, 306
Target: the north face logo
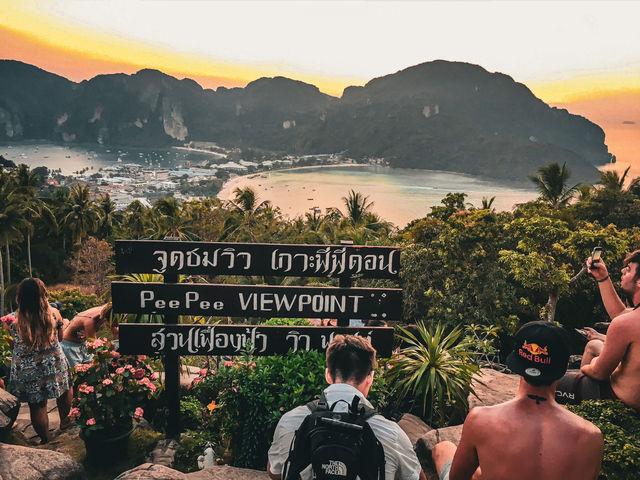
335, 468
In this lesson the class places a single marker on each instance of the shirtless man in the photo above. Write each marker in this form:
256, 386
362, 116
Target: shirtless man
615, 357
84, 325
530, 437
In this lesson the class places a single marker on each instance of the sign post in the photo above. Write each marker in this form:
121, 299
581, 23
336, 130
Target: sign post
172, 299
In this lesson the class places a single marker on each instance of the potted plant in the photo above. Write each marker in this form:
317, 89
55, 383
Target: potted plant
111, 392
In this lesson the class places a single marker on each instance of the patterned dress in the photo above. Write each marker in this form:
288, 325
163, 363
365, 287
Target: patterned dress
37, 375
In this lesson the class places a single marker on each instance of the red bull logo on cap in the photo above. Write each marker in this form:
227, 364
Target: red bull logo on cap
534, 353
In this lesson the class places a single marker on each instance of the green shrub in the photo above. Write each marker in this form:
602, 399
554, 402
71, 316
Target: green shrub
287, 322
191, 411
73, 301
192, 445
621, 429
247, 397
435, 369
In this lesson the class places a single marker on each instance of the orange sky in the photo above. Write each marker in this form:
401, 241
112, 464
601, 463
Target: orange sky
78, 66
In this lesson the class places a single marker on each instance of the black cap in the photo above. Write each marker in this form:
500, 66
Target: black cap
540, 353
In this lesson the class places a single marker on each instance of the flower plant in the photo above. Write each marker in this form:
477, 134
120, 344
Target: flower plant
111, 390
5, 337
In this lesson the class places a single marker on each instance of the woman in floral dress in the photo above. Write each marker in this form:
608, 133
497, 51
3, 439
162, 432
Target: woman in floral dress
39, 369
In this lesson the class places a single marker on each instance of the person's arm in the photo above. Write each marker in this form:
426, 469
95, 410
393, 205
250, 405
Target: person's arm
592, 334
610, 298
465, 462
615, 346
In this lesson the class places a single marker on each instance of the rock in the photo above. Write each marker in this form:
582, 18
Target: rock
426, 443
164, 453
225, 472
9, 408
24, 463
413, 427
496, 387
150, 471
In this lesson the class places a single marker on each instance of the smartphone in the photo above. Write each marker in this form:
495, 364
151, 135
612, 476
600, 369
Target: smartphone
581, 332
596, 254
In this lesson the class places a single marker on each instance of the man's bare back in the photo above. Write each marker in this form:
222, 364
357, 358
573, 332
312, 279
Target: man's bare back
84, 325
530, 437
529, 441
625, 379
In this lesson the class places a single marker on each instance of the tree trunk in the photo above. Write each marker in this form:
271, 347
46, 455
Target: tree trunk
550, 307
1, 286
8, 264
29, 253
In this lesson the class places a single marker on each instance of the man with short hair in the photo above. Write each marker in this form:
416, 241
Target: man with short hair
350, 368
614, 358
530, 437
84, 325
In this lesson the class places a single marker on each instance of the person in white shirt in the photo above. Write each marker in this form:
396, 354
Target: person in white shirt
350, 369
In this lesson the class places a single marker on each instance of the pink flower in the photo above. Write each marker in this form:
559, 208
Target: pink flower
138, 413
154, 376
91, 421
141, 358
97, 343
228, 363
8, 319
106, 382
139, 373
82, 367
203, 372
114, 354
84, 388
120, 370
74, 412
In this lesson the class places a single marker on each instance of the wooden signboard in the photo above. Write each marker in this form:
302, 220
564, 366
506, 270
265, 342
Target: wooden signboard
172, 299
255, 301
150, 339
202, 258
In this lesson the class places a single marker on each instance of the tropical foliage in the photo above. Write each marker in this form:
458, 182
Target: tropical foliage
621, 429
435, 368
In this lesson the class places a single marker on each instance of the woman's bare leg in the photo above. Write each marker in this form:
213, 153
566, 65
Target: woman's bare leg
64, 405
40, 419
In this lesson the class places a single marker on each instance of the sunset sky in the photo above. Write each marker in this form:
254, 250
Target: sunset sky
562, 50
570, 52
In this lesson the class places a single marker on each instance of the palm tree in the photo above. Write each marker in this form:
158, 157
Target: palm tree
12, 223
246, 201
81, 214
134, 220
610, 180
487, 203
108, 216
245, 214
26, 184
357, 206
551, 182
169, 219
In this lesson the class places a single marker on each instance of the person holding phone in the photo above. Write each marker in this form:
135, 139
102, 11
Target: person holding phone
614, 358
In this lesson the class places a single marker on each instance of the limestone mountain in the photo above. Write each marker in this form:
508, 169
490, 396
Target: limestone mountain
437, 115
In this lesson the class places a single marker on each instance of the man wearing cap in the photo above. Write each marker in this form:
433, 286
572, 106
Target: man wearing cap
530, 437
614, 358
